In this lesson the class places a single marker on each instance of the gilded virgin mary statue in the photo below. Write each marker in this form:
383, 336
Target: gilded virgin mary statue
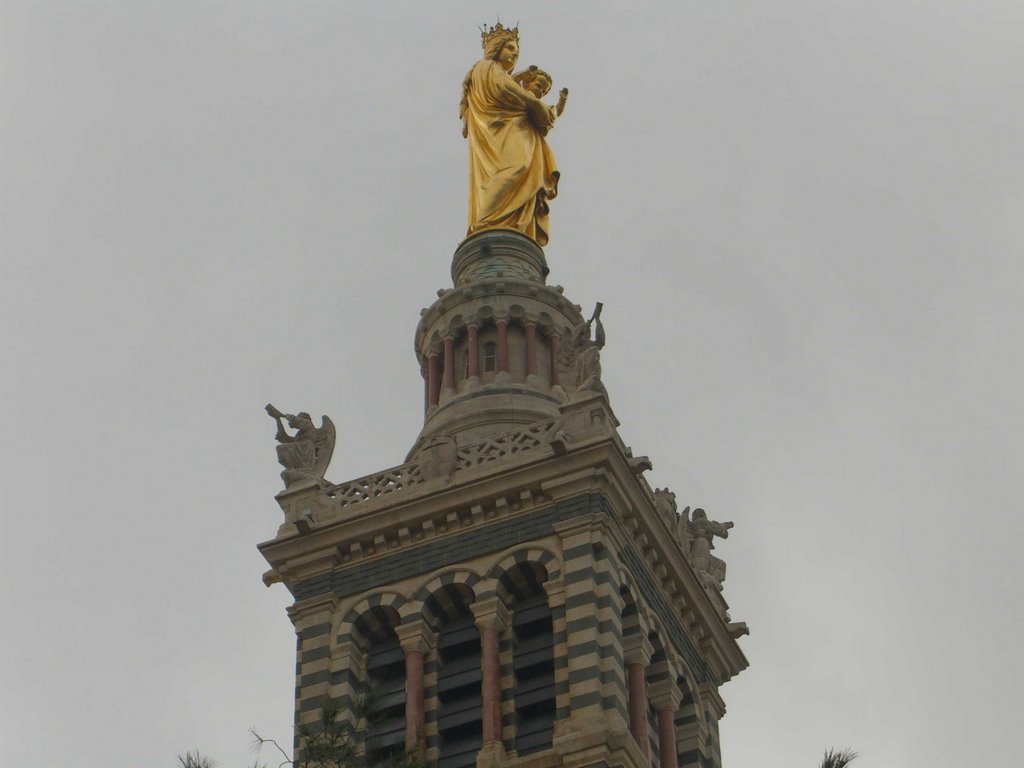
512, 172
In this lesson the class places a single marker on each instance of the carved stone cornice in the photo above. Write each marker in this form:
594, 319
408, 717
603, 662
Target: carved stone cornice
402, 509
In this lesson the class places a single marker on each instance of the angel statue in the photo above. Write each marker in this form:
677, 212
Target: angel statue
512, 172
579, 356
710, 568
306, 454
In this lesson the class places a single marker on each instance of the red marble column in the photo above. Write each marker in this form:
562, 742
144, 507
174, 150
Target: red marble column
491, 687
449, 364
502, 345
433, 380
667, 738
414, 699
491, 619
638, 707
531, 349
665, 696
416, 641
554, 361
474, 352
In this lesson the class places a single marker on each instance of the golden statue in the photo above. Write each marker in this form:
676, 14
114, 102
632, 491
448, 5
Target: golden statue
512, 172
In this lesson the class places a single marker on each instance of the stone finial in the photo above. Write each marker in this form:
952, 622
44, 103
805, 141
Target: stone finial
306, 454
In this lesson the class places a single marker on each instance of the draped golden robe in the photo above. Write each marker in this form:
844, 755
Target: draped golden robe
512, 172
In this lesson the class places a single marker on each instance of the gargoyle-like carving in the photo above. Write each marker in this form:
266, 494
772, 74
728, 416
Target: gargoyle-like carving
306, 454
638, 464
738, 629
665, 506
580, 356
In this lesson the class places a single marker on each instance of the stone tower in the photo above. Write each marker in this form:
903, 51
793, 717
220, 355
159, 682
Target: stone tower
515, 591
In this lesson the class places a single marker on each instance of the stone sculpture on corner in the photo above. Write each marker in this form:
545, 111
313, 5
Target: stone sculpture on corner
710, 568
580, 356
695, 537
306, 454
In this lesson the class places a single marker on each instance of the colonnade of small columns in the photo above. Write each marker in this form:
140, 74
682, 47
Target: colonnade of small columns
441, 360
664, 695
491, 617
418, 639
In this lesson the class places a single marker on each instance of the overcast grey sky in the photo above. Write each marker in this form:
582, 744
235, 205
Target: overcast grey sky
804, 220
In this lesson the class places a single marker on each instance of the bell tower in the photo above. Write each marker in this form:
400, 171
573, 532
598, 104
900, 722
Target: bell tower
514, 591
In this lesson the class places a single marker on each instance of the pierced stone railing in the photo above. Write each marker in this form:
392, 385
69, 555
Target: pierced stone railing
502, 446
400, 478
372, 486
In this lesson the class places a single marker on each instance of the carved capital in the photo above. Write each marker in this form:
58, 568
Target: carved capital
637, 649
711, 701
665, 694
556, 593
416, 636
491, 613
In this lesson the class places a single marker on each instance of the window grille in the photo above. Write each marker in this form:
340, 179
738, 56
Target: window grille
490, 356
385, 672
460, 713
534, 668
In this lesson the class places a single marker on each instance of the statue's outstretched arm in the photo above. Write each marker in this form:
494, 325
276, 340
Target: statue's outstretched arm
721, 529
282, 436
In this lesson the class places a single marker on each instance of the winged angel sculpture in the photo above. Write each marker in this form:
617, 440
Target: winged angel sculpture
306, 454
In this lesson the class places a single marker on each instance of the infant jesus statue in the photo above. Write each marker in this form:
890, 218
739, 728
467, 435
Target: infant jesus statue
538, 82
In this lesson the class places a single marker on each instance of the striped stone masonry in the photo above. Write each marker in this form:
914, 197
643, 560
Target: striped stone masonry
535, 604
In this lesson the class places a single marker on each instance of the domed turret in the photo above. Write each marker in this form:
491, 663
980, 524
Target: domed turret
488, 348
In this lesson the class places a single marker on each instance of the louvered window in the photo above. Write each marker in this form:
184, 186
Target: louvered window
460, 716
490, 356
534, 669
385, 672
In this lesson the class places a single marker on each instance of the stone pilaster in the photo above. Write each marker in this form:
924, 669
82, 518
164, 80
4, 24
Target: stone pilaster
714, 710
593, 617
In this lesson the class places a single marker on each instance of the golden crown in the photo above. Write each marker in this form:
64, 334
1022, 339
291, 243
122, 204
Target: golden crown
486, 35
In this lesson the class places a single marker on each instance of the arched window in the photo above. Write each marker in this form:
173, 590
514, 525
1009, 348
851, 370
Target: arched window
459, 676
385, 681
533, 664
533, 660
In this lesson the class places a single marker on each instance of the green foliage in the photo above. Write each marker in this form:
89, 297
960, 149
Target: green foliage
333, 741
840, 759
193, 759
